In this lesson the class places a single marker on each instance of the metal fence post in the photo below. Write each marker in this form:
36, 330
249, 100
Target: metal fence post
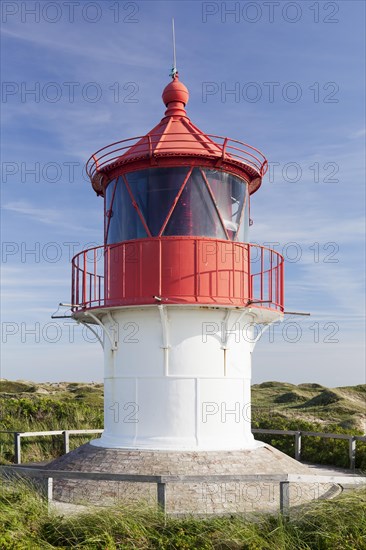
66, 438
49, 489
17, 449
161, 497
298, 446
352, 452
285, 498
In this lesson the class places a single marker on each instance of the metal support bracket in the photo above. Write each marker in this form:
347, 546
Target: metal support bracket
113, 341
165, 330
164, 325
225, 337
265, 328
92, 330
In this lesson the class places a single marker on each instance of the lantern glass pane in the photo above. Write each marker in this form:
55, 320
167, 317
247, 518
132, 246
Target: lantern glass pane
154, 191
125, 223
229, 192
195, 213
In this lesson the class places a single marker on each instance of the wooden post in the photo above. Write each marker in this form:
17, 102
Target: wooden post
161, 497
285, 498
66, 437
352, 452
298, 446
17, 449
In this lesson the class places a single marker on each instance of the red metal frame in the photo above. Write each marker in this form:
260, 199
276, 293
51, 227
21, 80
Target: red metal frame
136, 206
100, 181
106, 225
93, 280
224, 150
176, 200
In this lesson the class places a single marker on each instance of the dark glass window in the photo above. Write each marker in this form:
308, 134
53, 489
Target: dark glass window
154, 191
195, 212
125, 223
229, 192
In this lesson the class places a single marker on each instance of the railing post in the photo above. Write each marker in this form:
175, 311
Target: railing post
73, 301
224, 149
85, 280
262, 272
66, 438
298, 446
161, 497
77, 282
49, 489
95, 277
17, 449
352, 452
285, 498
250, 296
270, 274
150, 145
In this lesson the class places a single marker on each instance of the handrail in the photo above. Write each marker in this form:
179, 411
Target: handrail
265, 283
297, 433
65, 434
161, 481
298, 440
178, 142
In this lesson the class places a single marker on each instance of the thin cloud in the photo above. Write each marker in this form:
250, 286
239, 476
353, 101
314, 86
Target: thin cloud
47, 216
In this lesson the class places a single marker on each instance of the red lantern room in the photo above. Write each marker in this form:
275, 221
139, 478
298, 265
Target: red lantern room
177, 215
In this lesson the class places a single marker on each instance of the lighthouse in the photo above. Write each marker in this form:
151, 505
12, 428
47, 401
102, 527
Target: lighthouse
178, 297
178, 291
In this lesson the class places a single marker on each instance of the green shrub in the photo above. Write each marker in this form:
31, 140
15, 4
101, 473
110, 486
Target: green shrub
8, 386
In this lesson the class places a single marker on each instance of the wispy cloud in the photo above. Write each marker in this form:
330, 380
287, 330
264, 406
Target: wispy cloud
48, 216
305, 232
307, 132
64, 39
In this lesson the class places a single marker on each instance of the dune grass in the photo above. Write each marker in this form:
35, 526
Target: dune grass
26, 523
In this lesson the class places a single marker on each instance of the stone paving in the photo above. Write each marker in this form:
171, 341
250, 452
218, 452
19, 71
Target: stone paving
186, 498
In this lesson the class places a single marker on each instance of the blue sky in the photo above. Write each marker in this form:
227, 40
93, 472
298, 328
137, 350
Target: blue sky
97, 69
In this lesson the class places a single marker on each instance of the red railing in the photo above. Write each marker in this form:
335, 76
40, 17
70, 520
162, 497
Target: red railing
205, 271
178, 143
266, 277
87, 283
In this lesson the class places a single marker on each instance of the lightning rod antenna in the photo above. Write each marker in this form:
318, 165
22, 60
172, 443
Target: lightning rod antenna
174, 71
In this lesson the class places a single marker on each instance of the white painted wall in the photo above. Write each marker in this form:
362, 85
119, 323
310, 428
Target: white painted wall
168, 385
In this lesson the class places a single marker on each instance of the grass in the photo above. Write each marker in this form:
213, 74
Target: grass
26, 523
43, 407
344, 406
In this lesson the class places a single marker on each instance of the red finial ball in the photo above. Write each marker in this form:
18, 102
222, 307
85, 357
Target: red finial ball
176, 91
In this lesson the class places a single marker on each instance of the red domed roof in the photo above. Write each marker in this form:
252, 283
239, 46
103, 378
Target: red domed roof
176, 141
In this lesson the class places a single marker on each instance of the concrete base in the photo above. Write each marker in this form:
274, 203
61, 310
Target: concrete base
184, 498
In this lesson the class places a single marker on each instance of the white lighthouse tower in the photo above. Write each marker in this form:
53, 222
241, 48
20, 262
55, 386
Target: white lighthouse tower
179, 293
176, 286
